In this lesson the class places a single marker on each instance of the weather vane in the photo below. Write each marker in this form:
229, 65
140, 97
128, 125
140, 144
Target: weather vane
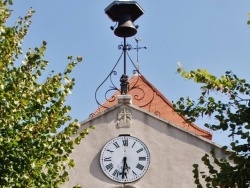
138, 39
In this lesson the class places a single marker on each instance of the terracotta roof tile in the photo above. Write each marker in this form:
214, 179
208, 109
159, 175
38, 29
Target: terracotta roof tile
147, 97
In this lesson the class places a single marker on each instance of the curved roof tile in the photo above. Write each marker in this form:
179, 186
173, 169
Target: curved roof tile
147, 97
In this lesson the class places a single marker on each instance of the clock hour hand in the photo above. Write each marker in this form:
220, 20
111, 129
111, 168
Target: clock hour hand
125, 166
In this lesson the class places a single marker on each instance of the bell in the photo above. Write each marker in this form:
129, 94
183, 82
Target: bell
125, 27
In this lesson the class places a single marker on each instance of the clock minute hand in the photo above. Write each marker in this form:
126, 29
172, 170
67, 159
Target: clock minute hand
124, 167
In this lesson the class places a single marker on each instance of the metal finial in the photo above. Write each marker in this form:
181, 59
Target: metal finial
124, 84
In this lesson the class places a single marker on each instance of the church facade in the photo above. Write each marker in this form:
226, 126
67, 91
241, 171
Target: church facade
139, 141
133, 147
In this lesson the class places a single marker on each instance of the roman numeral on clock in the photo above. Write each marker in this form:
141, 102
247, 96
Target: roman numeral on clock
138, 151
116, 145
139, 166
134, 173
109, 150
116, 173
107, 159
109, 167
133, 144
125, 142
142, 158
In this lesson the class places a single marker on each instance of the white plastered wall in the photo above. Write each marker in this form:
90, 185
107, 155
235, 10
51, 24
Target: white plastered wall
173, 151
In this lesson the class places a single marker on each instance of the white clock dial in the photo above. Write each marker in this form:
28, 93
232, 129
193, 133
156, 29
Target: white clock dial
125, 159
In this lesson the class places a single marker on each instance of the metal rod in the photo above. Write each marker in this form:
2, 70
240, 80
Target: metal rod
124, 77
125, 54
137, 48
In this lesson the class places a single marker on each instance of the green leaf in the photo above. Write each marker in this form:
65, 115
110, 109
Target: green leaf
71, 163
79, 58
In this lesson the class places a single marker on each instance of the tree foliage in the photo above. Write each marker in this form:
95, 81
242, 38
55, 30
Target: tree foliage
230, 109
32, 153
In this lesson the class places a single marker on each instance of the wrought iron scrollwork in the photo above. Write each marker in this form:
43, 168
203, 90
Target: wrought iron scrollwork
157, 113
143, 95
126, 47
124, 84
112, 87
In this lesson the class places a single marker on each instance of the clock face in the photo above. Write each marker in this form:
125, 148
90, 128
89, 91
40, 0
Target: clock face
125, 159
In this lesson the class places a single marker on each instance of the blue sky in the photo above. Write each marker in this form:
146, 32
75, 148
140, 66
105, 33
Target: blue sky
210, 34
